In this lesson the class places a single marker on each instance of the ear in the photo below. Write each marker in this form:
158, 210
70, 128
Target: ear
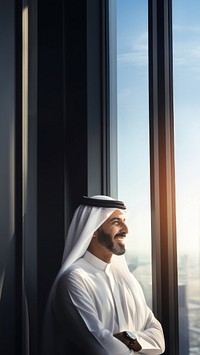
95, 234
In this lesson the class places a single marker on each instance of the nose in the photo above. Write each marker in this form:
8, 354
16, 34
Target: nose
125, 228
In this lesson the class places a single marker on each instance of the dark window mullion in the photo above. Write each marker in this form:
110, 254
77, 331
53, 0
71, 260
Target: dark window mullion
19, 286
165, 287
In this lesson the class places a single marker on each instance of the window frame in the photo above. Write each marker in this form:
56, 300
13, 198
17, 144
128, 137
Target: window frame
163, 218
162, 171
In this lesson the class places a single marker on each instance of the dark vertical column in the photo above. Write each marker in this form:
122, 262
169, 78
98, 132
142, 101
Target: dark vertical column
75, 22
87, 103
7, 179
29, 100
112, 120
101, 98
94, 96
18, 181
50, 148
164, 258
72, 128
105, 98
19, 256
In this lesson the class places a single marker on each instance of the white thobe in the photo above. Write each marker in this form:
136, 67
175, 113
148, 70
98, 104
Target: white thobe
108, 305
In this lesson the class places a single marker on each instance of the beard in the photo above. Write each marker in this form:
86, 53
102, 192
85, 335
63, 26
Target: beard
106, 240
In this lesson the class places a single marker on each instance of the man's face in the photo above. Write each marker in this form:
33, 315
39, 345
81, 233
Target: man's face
112, 233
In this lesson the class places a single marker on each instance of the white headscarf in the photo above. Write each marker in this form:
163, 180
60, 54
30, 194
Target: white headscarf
85, 222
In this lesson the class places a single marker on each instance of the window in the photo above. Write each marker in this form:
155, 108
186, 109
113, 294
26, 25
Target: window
155, 16
133, 135
186, 36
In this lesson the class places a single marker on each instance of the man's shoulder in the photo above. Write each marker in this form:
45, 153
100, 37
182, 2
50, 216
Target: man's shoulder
79, 268
80, 264
77, 272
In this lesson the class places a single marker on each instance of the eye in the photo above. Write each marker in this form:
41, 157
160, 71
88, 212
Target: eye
116, 223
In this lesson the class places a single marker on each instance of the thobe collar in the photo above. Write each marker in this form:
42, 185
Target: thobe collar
96, 262
101, 265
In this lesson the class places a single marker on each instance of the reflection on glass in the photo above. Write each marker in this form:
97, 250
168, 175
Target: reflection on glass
133, 134
186, 36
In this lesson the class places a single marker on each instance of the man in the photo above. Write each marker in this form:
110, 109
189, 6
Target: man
96, 304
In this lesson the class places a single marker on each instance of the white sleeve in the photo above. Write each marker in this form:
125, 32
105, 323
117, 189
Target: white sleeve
73, 289
151, 338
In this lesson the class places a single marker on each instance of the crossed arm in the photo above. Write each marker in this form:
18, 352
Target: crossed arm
72, 293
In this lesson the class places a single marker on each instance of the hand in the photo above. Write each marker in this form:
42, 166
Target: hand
131, 344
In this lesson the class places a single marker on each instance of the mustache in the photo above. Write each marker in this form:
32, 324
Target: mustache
122, 234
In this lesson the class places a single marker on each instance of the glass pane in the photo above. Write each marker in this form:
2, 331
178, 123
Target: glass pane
133, 134
186, 36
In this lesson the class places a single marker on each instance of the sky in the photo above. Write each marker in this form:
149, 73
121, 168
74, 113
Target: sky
133, 130
133, 116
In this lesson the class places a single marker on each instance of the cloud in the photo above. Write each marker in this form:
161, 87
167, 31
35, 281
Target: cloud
137, 53
186, 47
181, 29
187, 56
135, 58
